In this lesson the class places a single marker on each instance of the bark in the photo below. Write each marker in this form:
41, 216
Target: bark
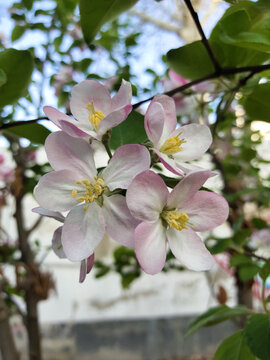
7, 344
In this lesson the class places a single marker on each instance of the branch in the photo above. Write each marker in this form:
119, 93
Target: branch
224, 72
202, 34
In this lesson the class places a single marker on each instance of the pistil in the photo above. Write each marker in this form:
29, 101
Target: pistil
176, 219
91, 191
172, 145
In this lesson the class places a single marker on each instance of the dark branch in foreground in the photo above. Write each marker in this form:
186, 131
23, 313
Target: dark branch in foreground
202, 34
223, 72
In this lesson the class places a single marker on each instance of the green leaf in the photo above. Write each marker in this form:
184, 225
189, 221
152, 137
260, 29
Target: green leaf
95, 13
35, 133
130, 131
17, 32
190, 61
247, 272
257, 335
234, 348
3, 77
215, 316
265, 270
18, 66
220, 245
257, 104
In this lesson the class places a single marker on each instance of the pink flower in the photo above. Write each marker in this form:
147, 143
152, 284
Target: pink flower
174, 145
174, 218
93, 198
94, 110
86, 264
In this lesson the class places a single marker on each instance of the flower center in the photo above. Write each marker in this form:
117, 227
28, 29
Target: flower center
95, 116
172, 145
90, 192
176, 219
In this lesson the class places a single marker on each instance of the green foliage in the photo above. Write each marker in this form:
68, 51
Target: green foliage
215, 316
35, 133
130, 131
3, 77
96, 13
190, 61
17, 66
257, 335
265, 270
257, 104
234, 348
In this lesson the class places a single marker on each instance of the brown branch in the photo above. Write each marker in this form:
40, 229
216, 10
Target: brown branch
224, 72
34, 226
202, 34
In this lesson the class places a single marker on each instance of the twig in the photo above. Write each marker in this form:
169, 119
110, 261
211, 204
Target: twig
34, 226
202, 34
224, 72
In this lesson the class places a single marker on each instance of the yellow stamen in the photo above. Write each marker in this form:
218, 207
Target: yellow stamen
74, 193
175, 219
90, 191
172, 145
85, 208
95, 116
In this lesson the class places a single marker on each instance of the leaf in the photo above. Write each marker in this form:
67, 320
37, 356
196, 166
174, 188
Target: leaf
234, 348
35, 133
190, 61
215, 316
130, 131
265, 270
17, 32
3, 77
95, 13
247, 272
257, 335
18, 66
257, 104
220, 246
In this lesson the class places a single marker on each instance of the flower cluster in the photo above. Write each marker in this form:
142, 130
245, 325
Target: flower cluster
127, 200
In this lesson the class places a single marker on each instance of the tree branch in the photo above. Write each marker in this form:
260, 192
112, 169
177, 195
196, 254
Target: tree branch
202, 34
224, 72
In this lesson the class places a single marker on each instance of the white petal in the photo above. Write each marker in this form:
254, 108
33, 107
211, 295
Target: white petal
82, 231
150, 246
126, 163
189, 249
120, 225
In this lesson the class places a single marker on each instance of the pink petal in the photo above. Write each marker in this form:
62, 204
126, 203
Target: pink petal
126, 163
206, 210
120, 225
150, 246
187, 188
113, 119
154, 121
90, 263
123, 96
147, 196
66, 152
55, 115
57, 243
82, 271
86, 267
198, 139
86, 92
54, 190
168, 106
73, 130
82, 231
52, 214
189, 249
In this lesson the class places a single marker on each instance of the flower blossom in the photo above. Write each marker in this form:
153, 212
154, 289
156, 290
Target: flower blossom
94, 110
174, 145
95, 205
86, 264
173, 218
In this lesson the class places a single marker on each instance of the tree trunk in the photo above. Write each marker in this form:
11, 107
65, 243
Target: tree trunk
7, 344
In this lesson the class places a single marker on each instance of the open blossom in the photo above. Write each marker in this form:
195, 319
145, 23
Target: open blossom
94, 110
95, 206
173, 218
86, 264
174, 145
